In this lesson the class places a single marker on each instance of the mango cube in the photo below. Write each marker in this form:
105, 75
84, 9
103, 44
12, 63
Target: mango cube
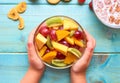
60, 47
40, 41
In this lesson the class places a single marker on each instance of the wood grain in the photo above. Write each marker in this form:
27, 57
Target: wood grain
41, 2
104, 67
14, 40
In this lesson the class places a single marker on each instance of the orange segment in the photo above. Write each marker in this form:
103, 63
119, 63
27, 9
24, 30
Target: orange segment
61, 34
79, 42
70, 58
49, 56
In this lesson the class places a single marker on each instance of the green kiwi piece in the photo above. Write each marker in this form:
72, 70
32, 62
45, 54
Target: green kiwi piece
75, 51
58, 63
54, 21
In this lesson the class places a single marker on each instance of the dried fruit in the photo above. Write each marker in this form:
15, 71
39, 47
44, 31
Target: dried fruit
13, 14
53, 1
21, 7
21, 23
66, 0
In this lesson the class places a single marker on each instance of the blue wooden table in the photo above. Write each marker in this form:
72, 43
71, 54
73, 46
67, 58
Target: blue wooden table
105, 64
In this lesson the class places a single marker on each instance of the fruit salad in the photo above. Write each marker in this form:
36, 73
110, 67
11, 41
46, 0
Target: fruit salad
59, 41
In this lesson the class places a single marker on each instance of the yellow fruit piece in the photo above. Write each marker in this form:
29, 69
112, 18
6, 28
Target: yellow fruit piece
60, 47
70, 58
70, 40
42, 51
61, 34
21, 7
79, 42
49, 56
21, 23
40, 40
69, 24
13, 14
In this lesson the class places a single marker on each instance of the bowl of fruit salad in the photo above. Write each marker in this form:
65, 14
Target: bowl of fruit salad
108, 12
59, 41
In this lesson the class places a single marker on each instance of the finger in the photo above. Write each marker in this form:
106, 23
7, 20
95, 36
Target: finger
31, 35
90, 47
31, 50
30, 46
89, 37
33, 57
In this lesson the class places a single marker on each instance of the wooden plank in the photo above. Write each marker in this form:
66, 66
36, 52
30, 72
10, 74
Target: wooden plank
41, 2
14, 40
102, 69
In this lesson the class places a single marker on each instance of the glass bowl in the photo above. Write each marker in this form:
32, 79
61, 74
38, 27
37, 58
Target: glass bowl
59, 41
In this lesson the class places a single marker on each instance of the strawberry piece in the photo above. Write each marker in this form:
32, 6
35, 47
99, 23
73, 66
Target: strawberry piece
81, 1
90, 5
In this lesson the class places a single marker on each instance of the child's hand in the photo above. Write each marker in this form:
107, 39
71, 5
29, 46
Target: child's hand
34, 60
78, 70
36, 67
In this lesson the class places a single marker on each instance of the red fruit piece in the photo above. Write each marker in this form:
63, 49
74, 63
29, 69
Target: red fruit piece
44, 31
90, 5
60, 56
64, 43
81, 1
53, 34
78, 34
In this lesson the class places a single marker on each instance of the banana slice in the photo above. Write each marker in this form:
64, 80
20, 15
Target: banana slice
21, 7
13, 14
21, 23
53, 1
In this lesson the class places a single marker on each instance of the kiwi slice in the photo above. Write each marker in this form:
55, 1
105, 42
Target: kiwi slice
72, 33
54, 21
58, 63
75, 51
48, 43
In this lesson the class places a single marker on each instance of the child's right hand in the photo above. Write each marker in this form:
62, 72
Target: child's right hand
35, 62
36, 68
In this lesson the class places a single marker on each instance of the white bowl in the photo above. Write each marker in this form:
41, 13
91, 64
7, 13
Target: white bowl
108, 12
